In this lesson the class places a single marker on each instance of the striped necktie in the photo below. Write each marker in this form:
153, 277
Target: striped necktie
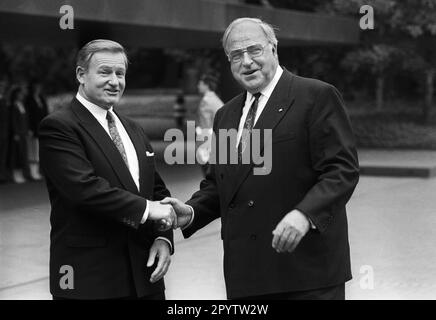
116, 138
248, 126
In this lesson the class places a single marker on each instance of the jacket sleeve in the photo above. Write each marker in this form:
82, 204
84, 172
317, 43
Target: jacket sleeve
160, 192
333, 157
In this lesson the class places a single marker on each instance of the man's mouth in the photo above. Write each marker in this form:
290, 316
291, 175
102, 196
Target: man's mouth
112, 91
249, 72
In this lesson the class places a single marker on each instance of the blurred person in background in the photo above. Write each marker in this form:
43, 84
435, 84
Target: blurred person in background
180, 111
5, 171
36, 104
209, 105
20, 136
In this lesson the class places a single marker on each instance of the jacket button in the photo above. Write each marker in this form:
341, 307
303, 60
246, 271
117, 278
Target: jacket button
222, 176
250, 203
253, 237
232, 205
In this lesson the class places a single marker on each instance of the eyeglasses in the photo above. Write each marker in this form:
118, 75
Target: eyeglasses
255, 50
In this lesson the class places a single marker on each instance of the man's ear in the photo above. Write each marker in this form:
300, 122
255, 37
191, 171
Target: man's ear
274, 49
80, 72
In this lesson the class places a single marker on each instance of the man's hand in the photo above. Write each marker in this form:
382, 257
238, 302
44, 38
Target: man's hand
161, 250
183, 211
162, 213
290, 230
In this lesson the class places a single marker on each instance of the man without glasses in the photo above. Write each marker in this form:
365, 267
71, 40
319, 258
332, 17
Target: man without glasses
103, 189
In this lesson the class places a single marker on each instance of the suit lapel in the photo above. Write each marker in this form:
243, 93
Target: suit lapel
229, 121
277, 106
106, 145
232, 119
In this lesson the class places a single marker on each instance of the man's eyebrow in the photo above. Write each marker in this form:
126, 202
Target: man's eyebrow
237, 50
251, 45
106, 66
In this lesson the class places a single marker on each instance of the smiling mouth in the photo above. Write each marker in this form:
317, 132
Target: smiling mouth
249, 73
112, 91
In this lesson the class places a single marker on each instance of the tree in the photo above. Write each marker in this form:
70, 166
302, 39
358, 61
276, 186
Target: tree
300, 5
377, 51
416, 19
380, 60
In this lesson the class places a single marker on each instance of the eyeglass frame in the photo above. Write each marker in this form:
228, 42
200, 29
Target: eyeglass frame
243, 50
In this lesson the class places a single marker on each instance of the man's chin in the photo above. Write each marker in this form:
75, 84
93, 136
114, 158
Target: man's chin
252, 87
112, 100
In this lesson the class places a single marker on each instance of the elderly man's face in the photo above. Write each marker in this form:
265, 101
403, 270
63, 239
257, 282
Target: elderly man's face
253, 73
104, 81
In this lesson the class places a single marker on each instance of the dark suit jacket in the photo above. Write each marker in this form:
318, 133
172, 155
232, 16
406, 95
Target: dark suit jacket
314, 169
96, 208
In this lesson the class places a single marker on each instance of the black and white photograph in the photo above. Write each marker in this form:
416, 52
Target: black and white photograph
230, 151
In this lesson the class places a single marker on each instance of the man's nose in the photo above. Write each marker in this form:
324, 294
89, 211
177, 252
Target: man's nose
113, 79
246, 59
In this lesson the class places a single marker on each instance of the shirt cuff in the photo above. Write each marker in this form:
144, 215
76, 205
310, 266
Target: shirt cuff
312, 226
168, 241
192, 218
146, 212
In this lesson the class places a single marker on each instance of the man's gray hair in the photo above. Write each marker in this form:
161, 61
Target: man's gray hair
100, 45
266, 27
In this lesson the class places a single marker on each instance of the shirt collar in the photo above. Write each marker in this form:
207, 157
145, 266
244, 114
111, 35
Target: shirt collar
267, 91
98, 112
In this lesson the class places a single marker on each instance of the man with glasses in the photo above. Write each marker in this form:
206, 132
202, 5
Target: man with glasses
284, 233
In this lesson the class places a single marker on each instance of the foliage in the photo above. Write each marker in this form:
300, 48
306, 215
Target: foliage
393, 129
378, 58
54, 66
301, 5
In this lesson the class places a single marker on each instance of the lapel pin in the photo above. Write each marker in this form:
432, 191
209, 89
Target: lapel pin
281, 109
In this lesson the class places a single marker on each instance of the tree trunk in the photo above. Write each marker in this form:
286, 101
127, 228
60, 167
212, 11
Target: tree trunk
429, 91
379, 92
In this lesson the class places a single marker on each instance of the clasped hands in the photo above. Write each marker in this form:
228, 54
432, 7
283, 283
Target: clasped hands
170, 213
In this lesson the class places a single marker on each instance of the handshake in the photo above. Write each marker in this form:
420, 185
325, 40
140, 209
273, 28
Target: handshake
170, 213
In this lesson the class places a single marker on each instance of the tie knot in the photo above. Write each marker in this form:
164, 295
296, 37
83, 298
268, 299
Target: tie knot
109, 117
257, 95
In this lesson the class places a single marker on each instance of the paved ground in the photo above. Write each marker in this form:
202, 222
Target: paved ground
391, 222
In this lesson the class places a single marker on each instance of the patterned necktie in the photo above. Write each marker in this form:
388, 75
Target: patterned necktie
116, 136
248, 126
